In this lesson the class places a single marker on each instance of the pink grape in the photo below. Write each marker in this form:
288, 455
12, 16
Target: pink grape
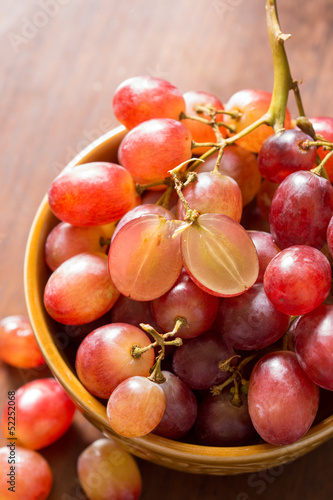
80, 290
323, 125
219, 255
239, 164
144, 209
26, 475
283, 401
104, 357
136, 407
153, 148
92, 194
251, 104
196, 362
314, 345
107, 471
266, 250
181, 408
66, 240
250, 321
301, 210
142, 98
144, 258
185, 299
220, 423
202, 132
43, 411
18, 346
213, 193
282, 154
287, 273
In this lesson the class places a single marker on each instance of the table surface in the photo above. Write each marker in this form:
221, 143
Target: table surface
61, 61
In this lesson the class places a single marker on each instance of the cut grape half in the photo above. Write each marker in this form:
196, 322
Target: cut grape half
145, 258
219, 255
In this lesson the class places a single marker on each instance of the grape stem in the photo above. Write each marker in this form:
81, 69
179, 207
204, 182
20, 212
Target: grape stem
161, 340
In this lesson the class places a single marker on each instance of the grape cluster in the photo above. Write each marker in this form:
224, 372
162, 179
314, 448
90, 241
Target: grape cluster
200, 264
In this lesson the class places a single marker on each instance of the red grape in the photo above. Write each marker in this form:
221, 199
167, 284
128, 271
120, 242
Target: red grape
104, 357
221, 423
282, 154
80, 290
314, 345
251, 104
142, 98
250, 321
219, 255
133, 312
283, 401
202, 132
92, 194
213, 193
323, 125
66, 240
144, 258
144, 209
298, 280
153, 148
181, 408
44, 412
25, 474
301, 210
107, 471
196, 362
239, 164
266, 250
265, 196
18, 346
136, 407
185, 299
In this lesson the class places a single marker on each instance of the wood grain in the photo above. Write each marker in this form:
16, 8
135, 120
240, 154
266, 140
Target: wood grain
61, 61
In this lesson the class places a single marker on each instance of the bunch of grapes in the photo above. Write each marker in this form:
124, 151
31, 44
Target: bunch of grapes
207, 311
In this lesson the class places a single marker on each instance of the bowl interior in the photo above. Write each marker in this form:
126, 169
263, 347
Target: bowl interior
54, 342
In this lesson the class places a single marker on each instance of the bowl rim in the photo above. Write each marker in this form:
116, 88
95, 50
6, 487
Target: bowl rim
240, 456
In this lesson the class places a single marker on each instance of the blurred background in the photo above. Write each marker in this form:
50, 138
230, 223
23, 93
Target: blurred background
61, 61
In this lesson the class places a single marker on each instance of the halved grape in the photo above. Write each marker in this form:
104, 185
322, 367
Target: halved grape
145, 258
219, 255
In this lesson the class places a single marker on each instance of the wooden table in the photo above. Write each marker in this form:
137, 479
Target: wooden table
61, 61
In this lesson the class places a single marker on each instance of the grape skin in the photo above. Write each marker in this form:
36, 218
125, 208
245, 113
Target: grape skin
283, 401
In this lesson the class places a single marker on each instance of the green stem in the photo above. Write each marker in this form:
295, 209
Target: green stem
282, 77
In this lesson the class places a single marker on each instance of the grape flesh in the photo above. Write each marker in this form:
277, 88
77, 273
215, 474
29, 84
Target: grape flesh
219, 255
298, 279
144, 258
283, 401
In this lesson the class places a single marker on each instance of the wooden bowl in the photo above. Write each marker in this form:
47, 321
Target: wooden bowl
172, 454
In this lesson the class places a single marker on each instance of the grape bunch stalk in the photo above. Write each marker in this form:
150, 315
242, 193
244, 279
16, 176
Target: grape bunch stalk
200, 263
